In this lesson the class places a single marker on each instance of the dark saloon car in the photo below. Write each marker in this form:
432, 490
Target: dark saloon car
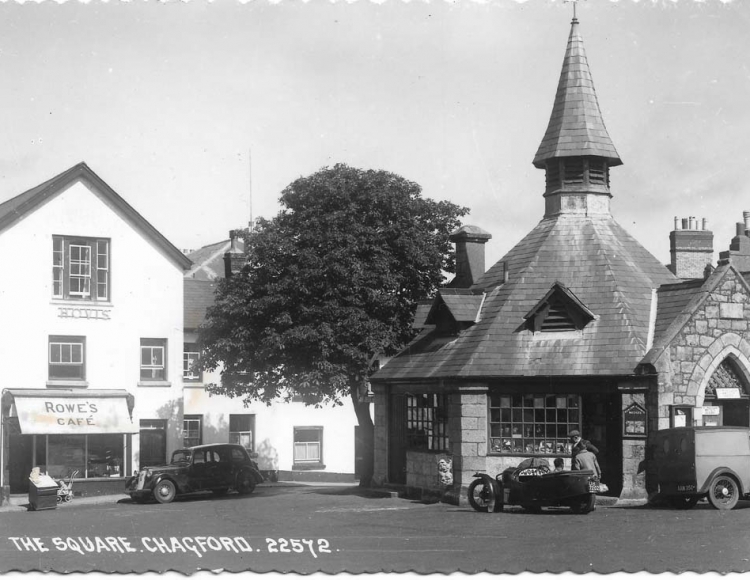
217, 468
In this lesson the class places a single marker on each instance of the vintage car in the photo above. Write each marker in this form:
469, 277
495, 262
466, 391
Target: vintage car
697, 462
532, 486
217, 468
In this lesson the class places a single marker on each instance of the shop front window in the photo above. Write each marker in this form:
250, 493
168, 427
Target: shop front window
427, 422
533, 424
88, 455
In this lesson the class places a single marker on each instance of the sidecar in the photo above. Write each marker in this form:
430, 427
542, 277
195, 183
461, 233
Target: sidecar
534, 488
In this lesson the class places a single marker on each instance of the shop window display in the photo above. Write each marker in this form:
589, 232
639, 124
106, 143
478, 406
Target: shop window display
90, 455
533, 424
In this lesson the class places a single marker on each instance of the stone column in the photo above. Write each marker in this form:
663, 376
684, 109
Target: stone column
380, 436
467, 429
634, 454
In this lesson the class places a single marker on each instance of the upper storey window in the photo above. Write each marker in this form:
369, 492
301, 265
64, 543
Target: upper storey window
80, 268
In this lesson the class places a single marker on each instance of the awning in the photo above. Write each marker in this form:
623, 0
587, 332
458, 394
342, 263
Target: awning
70, 411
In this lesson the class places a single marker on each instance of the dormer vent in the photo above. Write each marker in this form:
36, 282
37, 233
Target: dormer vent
559, 311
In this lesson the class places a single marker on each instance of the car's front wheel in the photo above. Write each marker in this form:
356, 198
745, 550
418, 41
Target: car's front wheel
245, 483
165, 491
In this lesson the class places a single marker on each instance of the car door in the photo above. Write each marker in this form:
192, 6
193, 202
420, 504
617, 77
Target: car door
198, 470
223, 469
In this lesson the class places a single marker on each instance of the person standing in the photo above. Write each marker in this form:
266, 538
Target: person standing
579, 444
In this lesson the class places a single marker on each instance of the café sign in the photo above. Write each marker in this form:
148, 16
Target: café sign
73, 415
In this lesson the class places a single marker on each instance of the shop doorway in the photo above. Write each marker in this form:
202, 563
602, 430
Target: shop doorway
20, 462
726, 399
153, 437
602, 425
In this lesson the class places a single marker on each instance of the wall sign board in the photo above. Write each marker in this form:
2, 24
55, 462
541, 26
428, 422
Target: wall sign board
634, 421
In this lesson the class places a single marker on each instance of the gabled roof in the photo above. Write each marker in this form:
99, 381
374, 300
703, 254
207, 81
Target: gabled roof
576, 127
606, 269
16, 208
199, 295
562, 293
679, 302
462, 303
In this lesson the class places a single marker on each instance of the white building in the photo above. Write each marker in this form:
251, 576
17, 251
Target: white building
94, 297
293, 441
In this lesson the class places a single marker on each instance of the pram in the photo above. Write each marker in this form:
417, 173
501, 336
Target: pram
65, 490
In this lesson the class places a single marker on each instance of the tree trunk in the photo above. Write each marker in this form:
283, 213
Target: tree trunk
367, 432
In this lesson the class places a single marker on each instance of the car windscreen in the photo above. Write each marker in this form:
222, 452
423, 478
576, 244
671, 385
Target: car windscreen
181, 456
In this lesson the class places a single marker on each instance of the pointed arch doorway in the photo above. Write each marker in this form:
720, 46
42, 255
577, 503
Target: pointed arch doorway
727, 397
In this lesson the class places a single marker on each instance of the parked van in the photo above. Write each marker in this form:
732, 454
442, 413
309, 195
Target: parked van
696, 462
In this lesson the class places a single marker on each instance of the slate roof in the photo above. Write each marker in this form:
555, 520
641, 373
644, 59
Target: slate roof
576, 126
601, 264
199, 295
209, 260
25, 203
462, 303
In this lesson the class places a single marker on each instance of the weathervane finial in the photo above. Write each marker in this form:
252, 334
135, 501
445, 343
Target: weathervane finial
575, 19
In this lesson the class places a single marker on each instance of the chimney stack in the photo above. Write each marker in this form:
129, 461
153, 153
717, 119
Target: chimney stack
691, 248
234, 257
739, 249
469, 242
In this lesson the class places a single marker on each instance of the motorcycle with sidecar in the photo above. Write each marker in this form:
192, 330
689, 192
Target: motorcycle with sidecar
533, 487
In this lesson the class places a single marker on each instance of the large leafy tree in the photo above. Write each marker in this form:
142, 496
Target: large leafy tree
329, 284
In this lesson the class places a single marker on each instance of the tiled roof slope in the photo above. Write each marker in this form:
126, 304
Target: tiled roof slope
679, 302
576, 126
607, 269
199, 295
209, 261
672, 299
462, 303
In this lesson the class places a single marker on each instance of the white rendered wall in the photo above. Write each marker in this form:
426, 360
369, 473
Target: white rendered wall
146, 301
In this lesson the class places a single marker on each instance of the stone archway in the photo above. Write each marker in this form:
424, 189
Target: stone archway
726, 359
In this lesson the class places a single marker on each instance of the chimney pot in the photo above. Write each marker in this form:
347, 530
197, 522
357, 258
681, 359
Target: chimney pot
685, 223
676, 223
705, 224
746, 217
692, 222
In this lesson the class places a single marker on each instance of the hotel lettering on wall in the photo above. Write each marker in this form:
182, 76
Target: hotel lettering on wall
634, 421
86, 313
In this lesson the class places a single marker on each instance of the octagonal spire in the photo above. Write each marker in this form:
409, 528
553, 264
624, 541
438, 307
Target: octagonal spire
576, 127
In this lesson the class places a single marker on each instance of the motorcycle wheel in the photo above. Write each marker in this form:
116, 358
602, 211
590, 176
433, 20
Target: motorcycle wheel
481, 495
585, 505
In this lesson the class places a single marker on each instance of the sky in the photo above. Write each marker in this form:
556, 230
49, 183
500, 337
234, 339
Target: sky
199, 114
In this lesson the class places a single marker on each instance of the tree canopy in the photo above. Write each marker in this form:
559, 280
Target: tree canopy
329, 282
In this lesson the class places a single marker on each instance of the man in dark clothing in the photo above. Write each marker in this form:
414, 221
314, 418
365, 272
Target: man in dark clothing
579, 444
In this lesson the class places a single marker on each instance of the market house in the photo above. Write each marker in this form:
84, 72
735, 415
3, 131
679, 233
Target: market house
577, 327
95, 390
